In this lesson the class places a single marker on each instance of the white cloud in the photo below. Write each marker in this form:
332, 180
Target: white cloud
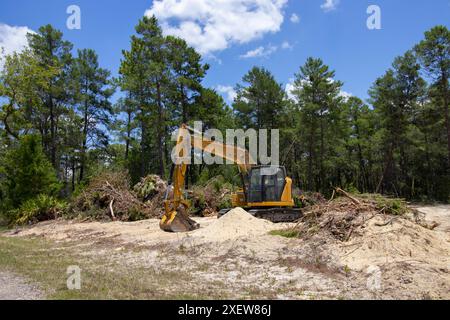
329, 5
214, 25
295, 18
290, 87
345, 95
228, 91
260, 52
12, 39
286, 45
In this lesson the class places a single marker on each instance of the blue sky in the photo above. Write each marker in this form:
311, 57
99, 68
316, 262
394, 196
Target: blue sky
235, 35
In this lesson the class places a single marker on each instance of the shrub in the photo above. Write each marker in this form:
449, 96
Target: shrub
27, 173
40, 208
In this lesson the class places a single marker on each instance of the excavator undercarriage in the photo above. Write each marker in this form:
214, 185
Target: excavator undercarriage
276, 215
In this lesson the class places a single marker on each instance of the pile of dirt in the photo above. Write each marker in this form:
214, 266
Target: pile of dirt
363, 233
108, 196
401, 240
235, 224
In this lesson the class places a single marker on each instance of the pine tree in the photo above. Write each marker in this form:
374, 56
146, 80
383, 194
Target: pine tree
27, 172
92, 93
434, 54
260, 101
318, 101
52, 52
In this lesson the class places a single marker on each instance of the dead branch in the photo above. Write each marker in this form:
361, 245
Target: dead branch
332, 196
386, 223
111, 209
345, 194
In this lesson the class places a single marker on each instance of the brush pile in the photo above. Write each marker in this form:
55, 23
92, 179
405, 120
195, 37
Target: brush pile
346, 216
151, 190
108, 196
209, 199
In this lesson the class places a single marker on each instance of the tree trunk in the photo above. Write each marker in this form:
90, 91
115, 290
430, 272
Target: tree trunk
160, 131
127, 143
143, 145
310, 159
73, 174
84, 143
322, 151
183, 106
447, 117
52, 132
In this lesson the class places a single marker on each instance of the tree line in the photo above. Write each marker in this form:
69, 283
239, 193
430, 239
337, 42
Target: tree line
57, 118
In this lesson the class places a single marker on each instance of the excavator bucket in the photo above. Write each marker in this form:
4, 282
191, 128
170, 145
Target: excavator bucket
177, 222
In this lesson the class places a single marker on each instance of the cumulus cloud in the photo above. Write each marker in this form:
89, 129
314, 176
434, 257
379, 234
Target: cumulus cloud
329, 5
214, 25
345, 95
12, 39
260, 52
290, 87
266, 51
286, 45
227, 91
295, 18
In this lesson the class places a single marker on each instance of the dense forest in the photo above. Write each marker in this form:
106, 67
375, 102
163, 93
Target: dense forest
59, 125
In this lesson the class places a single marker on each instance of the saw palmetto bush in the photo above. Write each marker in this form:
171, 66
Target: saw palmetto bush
40, 208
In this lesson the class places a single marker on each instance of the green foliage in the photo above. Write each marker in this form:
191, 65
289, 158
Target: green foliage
319, 129
40, 208
28, 173
149, 186
287, 233
393, 206
92, 91
261, 103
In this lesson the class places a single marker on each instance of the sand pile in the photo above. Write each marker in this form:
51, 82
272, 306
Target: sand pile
235, 224
400, 241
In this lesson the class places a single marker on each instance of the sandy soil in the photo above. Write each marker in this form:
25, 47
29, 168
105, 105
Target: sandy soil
237, 256
439, 214
13, 287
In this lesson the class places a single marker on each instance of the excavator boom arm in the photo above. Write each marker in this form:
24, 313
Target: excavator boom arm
175, 218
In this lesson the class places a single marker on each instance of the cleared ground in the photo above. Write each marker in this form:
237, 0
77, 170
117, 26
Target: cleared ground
233, 258
13, 287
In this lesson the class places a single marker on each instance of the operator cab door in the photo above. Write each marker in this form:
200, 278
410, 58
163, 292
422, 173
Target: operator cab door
266, 184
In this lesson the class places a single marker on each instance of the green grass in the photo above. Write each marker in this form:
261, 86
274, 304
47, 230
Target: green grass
288, 233
45, 263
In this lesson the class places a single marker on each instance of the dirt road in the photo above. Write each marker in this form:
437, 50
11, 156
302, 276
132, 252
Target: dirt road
14, 287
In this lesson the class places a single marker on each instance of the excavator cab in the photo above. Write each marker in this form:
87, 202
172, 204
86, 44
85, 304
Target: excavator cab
267, 194
266, 184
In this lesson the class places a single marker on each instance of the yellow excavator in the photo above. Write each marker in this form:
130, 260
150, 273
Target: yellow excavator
266, 190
